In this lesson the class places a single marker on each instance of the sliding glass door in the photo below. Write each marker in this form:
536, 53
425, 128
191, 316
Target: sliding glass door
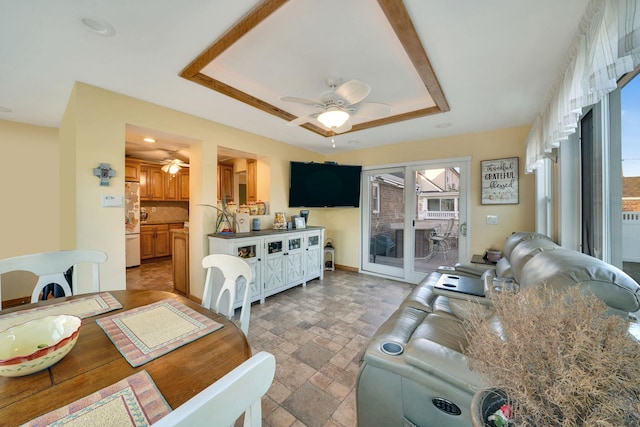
414, 218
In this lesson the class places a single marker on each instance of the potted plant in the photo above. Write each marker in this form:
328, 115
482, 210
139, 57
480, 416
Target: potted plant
225, 220
559, 359
493, 254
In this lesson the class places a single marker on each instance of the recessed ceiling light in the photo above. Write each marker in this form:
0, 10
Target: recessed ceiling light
149, 140
5, 110
443, 125
99, 26
353, 142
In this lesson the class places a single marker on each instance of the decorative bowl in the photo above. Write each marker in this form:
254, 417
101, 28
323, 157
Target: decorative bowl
35, 345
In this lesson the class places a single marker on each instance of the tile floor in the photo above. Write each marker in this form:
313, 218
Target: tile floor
317, 334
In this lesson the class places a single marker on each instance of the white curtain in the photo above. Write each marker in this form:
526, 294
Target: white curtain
605, 47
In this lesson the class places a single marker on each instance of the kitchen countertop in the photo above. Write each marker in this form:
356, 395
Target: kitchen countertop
162, 222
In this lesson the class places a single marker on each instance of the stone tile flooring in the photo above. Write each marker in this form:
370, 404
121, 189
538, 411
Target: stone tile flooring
317, 334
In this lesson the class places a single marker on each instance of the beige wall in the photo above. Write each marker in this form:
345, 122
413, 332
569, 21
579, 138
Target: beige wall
29, 215
92, 131
343, 224
95, 132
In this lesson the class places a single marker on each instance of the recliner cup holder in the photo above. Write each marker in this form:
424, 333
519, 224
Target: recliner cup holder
392, 348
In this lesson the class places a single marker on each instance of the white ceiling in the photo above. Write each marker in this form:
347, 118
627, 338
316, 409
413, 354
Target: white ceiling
495, 61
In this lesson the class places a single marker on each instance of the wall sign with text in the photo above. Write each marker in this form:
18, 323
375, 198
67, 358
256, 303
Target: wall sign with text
500, 181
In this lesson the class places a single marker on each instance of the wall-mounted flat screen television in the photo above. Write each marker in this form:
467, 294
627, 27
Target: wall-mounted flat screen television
324, 185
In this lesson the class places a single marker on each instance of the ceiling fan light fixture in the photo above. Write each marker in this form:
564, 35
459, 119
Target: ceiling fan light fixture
333, 117
171, 168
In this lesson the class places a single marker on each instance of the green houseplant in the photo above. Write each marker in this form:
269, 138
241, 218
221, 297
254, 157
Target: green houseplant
225, 221
559, 358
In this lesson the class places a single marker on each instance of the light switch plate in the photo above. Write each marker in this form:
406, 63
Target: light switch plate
492, 219
112, 200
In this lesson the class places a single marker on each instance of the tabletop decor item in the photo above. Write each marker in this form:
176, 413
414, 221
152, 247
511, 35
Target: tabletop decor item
83, 307
132, 401
280, 221
37, 344
559, 358
148, 332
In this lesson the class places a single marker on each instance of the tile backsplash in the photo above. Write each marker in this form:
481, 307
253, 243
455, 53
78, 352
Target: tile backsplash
166, 211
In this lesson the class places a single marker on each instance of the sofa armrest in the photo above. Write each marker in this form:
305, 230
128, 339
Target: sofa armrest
442, 362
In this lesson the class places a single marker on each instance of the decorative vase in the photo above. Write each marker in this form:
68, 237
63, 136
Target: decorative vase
280, 221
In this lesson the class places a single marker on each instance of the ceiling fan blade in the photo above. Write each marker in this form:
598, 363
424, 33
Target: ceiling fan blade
373, 110
305, 101
353, 91
301, 120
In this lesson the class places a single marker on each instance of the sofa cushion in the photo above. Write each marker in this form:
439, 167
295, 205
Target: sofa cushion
516, 238
562, 268
525, 251
442, 329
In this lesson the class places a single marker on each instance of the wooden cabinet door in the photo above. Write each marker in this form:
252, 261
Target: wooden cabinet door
225, 182
252, 180
170, 186
183, 185
144, 183
180, 261
147, 242
163, 245
132, 170
156, 177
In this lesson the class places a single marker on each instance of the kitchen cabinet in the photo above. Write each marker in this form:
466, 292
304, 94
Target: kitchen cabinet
177, 186
154, 241
225, 182
170, 186
183, 185
151, 182
132, 170
281, 259
252, 180
180, 260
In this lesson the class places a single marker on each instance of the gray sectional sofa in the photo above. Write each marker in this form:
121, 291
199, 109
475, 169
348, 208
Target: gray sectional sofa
413, 372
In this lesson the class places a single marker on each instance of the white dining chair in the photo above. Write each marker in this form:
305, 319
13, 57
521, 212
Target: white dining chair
223, 402
232, 269
51, 267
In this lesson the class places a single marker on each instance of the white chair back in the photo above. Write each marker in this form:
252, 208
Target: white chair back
50, 267
232, 268
222, 403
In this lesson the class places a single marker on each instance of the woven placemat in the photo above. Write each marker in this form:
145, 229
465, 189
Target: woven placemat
134, 401
88, 306
145, 333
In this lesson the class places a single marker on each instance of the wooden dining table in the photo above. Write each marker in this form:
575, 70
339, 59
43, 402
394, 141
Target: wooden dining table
95, 363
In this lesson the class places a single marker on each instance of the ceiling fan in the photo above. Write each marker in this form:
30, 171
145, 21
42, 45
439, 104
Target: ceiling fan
172, 166
339, 105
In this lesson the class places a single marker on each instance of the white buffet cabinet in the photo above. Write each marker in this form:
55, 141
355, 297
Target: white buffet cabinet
280, 259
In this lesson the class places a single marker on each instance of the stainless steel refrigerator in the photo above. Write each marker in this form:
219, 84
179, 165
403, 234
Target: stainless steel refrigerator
132, 223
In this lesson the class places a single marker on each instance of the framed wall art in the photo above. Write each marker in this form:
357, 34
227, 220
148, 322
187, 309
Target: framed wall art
500, 181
